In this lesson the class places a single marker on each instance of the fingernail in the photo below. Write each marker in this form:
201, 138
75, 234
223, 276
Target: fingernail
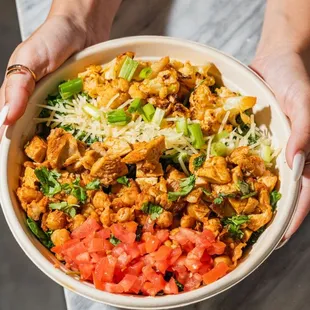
298, 165
3, 114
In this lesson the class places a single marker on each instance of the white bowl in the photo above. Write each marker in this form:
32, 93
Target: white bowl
235, 75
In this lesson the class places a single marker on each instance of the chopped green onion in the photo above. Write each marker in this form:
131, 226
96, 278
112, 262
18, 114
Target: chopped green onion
145, 73
128, 69
118, 117
148, 112
158, 116
135, 105
92, 111
266, 153
218, 149
181, 126
196, 136
70, 88
222, 135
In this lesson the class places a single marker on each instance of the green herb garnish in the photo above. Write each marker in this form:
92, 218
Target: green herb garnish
186, 186
244, 187
233, 225
93, 185
76, 190
255, 235
275, 196
114, 240
179, 285
153, 210
65, 207
198, 161
248, 195
43, 237
221, 196
123, 180
48, 180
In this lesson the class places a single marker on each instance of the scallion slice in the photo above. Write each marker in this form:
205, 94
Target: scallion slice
128, 69
147, 112
70, 88
196, 136
92, 111
222, 135
135, 105
158, 116
145, 73
218, 149
118, 117
181, 126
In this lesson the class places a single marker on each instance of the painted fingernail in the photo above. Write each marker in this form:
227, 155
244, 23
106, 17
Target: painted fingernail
3, 114
298, 165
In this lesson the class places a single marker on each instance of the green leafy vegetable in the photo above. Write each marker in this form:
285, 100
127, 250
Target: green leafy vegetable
64, 207
114, 240
76, 190
233, 225
70, 88
139, 232
48, 180
43, 237
198, 161
244, 187
206, 192
93, 185
153, 210
255, 235
186, 186
218, 200
123, 180
275, 196
147, 112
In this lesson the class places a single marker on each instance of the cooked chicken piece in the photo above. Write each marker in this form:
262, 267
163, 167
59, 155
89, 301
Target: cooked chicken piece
30, 180
237, 252
36, 149
161, 198
245, 206
105, 217
192, 160
163, 104
88, 160
269, 180
173, 178
247, 235
62, 149
226, 189
194, 196
146, 173
237, 174
212, 224
56, 220
36, 208
99, 148
108, 169
198, 210
60, 236
212, 121
144, 197
77, 221
187, 221
125, 215
116, 146
28, 194
101, 200
126, 197
222, 210
256, 221
222, 259
249, 164
215, 170
179, 110
165, 219
145, 183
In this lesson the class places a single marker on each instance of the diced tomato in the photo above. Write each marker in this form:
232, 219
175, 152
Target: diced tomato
155, 278
104, 233
205, 239
149, 289
192, 261
73, 251
95, 257
104, 270
82, 258
162, 266
113, 288
162, 235
136, 268
171, 287
188, 246
217, 248
98, 244
118, 250
142, 248
86, 271
132, 250
119, 274
131, 226
128, 282
182, 274
204, 269
149, 225
98, 283
136, 288
216, 273
175, 254
89, 226
206, 258
60, 248
88, 239
123, 260
162, 253
193, 282
151, 244
187, 234
123, 233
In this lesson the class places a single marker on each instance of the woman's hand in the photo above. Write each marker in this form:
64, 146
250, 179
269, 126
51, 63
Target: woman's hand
71, 26
285, 70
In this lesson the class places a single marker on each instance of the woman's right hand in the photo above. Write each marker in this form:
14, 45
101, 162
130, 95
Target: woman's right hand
71, 26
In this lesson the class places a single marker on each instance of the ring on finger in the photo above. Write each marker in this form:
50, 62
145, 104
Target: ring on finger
17, 68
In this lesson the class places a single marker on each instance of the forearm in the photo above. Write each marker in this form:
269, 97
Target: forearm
286, 26
95, 16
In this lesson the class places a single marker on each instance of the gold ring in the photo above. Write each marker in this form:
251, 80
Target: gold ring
17, 68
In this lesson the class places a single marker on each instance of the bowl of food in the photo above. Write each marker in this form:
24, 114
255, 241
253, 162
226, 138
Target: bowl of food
146, 173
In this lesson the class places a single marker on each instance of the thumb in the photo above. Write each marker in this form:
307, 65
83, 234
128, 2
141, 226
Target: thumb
43, 53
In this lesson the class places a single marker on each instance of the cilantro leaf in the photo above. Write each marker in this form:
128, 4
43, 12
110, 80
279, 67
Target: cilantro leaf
255, 235
244, 187
93, 185
218, 200
123, 180
233, 225
198, 161
65, 207
179, 285
186, 186
248, 195
153, 210
275, 196
114, 240
76, 190
43, 237
48, 180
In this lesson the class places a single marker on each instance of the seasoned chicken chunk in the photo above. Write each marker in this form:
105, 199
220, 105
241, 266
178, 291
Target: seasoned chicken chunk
146, 173
173, 178
36, 149
212, 224
30, 179
99, 148
116, 146
108, 169
89, 158
146, 182
215, 170
245, 206
198, 210
62, 149
36, 208
269, 180
28, 194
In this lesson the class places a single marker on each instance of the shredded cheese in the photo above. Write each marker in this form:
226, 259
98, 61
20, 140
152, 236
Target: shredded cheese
224, 121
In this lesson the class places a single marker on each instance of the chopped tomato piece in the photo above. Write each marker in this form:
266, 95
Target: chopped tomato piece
149, 289
142, 248
123, 260
206, 258
151, 244
188, 246
98, 244
187, 234
204, 269
155, 278
86, 271
82, 258
131, 226
132, 250
171, 287
113, 288
193, 282
75, 250
104, 270
206, 238
149, 225
136, 268
123, 233
104, 233
88, 227
192, 261
95, 257
162, 235
175, 254
217, 248
162, 253
136, 288
216, 273
128, 282
60, 248
161, 266
118, 250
